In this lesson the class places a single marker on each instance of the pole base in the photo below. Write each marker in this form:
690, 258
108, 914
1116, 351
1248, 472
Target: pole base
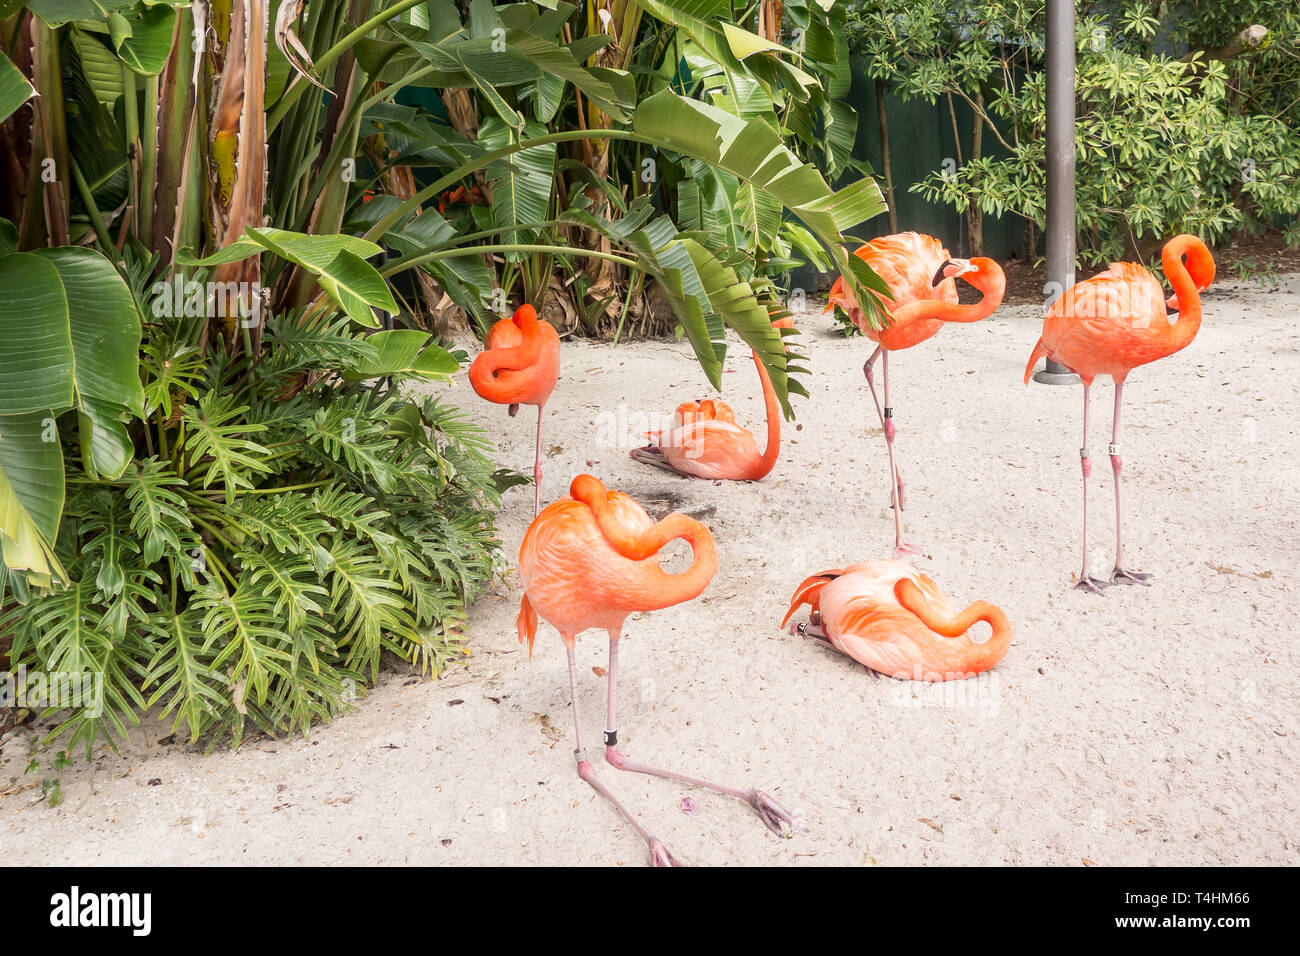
1044, 377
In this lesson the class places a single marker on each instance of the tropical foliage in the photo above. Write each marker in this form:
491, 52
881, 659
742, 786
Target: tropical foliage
226, 235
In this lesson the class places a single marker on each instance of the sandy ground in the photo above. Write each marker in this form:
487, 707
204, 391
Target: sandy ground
1149, 725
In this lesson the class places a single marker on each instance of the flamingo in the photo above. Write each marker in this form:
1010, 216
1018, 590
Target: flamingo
519, 366
1110, 324
893, 619
920, 275
588, 561
705, 441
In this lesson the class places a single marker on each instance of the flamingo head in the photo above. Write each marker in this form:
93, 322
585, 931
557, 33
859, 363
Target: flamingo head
952, 268
981, 272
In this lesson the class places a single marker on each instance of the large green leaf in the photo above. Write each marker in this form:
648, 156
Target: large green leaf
14, 88
56, 13
405, 352
521, 182
338, 262
31, 496
36, 360
105, 331
754, 152
707, 295
147, 42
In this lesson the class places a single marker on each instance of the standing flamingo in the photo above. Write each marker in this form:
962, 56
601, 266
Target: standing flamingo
1112, 323
888, 616
920, 275
519, 366
705, 441
590, 560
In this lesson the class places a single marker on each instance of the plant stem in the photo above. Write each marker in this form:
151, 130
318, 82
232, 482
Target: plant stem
333, 53
410, 263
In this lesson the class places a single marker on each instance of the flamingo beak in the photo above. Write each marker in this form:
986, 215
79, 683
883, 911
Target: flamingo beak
951, 269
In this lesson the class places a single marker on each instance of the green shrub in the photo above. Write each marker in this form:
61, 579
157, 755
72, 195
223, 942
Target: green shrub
1180, 128
290, 522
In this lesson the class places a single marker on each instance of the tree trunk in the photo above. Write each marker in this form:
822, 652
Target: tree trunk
974, 214
885, 161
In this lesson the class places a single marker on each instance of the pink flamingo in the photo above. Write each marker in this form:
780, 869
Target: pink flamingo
1109, 325
590, 560
896, 621
519, 365
704, 440
920, 275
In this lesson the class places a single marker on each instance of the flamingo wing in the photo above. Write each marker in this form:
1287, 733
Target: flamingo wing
710, 448
1108, 324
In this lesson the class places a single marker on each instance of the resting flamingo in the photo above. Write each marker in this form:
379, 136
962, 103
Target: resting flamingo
519, 365
893, 619
704, 440
920, 274
1110, 324
590, 560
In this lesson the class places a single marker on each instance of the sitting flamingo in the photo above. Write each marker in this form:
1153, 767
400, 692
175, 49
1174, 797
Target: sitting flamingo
920, 275
705, 441
1109, 325
519, 365
893, 619
590, 560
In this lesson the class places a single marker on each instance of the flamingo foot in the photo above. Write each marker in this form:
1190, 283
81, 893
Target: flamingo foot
659, 855
811, 632
774, 818
903, 549
653, 455
1124, 576
1090, 584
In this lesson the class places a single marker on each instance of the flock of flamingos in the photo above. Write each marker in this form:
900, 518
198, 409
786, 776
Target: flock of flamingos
591, 558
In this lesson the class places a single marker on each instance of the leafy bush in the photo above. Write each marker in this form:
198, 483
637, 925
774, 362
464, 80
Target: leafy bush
1181, 127
289, 522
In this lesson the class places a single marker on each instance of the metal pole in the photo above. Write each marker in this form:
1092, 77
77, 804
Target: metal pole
1060, 167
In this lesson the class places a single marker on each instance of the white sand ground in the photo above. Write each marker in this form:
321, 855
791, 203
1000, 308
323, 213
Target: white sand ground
1149, 725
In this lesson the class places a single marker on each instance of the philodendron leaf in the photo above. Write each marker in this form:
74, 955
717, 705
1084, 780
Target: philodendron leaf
338, 262
405, 352
14, 88
104, 326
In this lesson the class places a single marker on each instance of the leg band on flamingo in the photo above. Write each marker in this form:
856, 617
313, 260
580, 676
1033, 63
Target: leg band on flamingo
611, 738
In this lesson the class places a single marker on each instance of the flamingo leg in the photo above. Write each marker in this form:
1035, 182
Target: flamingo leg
659, 855
774, 818
537, 466
813, 631
1086, 582
1120, 575
897, 497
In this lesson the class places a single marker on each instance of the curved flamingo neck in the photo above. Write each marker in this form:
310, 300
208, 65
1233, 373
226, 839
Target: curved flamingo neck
654, 587
1185, 284
990, 280
982, 656
773, 408
484, 370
